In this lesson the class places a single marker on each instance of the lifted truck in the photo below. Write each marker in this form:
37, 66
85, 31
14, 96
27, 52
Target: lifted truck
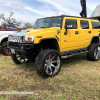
54, 38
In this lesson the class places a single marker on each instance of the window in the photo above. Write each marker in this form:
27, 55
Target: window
84, 24
95, 25
72, 22
48, 22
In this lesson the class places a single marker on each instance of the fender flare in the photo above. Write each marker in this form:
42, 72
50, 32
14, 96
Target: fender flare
47, 39
50, 39
92, 39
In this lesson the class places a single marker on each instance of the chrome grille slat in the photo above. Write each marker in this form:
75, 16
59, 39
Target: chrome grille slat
15, 38
20, 38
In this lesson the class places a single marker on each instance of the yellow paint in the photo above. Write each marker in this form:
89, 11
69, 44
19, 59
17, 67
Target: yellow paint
70, 41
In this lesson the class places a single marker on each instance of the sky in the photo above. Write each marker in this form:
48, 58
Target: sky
30, 10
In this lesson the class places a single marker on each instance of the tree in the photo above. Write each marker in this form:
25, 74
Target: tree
10, 20
27, 25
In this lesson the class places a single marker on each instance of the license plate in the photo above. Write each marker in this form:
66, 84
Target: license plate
13, 51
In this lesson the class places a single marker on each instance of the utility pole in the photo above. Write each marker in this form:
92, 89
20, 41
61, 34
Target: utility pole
84, 11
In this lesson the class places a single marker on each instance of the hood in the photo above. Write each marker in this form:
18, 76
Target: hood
37, 31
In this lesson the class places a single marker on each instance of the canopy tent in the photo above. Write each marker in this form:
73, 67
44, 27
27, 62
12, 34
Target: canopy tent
96, 13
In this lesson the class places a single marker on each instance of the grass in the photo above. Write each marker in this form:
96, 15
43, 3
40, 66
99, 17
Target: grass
79, 79
1, 84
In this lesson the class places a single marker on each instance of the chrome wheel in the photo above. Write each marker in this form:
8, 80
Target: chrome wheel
5, 49
97, 53
52, 64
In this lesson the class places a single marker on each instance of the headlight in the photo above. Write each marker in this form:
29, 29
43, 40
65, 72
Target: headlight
29, 38
20, 38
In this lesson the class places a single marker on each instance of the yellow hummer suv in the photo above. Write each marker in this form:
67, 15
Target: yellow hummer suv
53, 38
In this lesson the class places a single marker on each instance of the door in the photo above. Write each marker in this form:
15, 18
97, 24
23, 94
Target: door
70, 41
85, 33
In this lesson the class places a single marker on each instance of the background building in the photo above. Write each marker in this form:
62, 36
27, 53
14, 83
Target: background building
96, 13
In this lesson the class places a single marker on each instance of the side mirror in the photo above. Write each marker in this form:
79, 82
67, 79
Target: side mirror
68, 27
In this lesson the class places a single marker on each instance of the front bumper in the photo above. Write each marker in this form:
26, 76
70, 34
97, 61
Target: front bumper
21, 48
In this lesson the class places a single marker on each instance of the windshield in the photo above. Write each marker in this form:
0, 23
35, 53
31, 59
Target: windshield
48, 22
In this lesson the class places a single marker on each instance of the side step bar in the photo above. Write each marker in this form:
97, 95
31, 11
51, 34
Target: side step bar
68, 54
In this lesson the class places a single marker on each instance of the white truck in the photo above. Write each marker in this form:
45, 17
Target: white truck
3, 41
5, 30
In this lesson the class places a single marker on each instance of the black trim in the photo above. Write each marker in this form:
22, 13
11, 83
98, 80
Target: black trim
20, 45
61, 22
53, 40
46, 39
68, 56
92, 39
22, 52
72, 51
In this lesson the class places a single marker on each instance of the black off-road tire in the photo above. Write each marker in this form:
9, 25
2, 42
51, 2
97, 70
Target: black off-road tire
3, 47
40, 60
14, 58
91, 49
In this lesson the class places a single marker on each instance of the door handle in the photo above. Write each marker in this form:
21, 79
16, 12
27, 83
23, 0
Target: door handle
76, 32
89, 31
65, 40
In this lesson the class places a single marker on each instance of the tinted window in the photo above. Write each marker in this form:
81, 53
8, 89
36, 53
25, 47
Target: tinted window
72, 22
84, 24
95, 25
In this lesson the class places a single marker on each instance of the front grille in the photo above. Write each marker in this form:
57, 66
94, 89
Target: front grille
13, 38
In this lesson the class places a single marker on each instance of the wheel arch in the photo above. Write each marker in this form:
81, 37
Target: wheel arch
4, 40
51, 43
94, 39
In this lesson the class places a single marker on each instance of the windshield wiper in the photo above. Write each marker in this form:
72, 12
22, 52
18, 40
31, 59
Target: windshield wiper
43, 27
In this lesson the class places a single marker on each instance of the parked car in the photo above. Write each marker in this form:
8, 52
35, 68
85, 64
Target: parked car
8, 28
5, 30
